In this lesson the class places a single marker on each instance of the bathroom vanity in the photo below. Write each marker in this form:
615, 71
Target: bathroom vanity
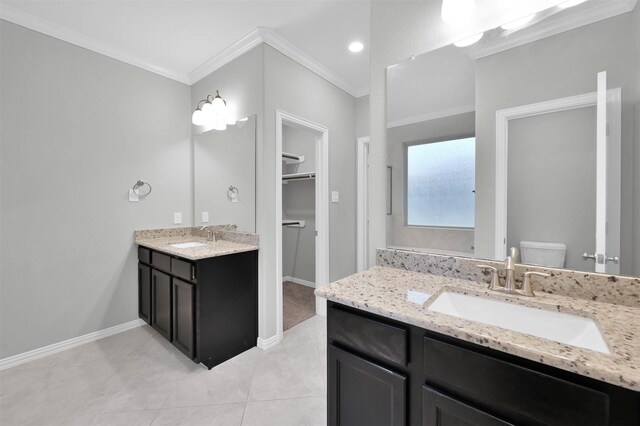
393, 361
200, 295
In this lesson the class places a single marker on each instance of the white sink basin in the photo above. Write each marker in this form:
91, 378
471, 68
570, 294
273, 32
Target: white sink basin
560, 327
189, 244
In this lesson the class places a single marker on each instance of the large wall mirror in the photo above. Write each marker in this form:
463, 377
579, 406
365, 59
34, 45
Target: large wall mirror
495, 144
225, 176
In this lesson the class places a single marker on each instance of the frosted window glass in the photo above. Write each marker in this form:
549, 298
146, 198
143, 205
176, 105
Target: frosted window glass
440, 183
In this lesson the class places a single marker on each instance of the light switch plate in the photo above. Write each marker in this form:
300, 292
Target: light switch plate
335, 197
205, 217
177, 218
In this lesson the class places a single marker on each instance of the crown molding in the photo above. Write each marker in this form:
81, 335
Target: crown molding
593, 12
283, 45
240, 47
273, 39
362, 91
18, 17
431, 116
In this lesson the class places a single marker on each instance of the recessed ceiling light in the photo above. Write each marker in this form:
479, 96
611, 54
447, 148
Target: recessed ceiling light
518, 23
469, 40
570, 3
356, 47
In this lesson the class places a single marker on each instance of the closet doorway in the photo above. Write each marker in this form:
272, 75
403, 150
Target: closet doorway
302, 219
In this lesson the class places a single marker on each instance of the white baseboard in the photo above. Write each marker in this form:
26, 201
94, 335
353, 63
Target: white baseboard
32, 355
268, 343
299, 281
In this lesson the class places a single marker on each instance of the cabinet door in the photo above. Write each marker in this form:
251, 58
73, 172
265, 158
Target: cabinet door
441, 410
364, 393
144, 292
161, 303
183, 316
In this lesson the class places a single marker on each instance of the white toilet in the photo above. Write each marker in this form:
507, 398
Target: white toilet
543, 254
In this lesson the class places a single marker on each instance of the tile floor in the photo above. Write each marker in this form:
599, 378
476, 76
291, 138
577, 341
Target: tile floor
138, 378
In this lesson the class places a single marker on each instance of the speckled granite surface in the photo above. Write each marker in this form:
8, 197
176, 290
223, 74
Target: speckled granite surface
227, 241
590, 286
384, 291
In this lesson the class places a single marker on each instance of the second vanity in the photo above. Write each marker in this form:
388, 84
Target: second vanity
200, 295
394, 361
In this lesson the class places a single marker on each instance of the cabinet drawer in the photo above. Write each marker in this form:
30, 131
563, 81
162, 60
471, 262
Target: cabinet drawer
510, 390
440, 410
161, 261
144, 255
377, 339
183, 269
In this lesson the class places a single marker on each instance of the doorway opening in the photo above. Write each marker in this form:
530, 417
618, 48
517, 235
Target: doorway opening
301, 218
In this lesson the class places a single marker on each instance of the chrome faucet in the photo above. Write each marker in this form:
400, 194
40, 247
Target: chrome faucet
211, 235
510, 285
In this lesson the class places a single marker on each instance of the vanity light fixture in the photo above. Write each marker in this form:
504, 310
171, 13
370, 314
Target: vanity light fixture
212, 112
356, 47
457, 11
469, 40
518, 22
570, 3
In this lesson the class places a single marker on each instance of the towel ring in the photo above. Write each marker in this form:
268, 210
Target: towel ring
232, 192
140, 184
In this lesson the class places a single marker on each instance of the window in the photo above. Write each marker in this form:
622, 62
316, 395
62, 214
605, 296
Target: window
440, 183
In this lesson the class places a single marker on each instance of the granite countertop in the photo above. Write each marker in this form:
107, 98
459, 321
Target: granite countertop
212, 248
385, 291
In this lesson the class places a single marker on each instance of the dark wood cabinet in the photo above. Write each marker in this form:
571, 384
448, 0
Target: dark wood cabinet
208, 308
161, 303
441, 410
183, 316
382, 371
144, 292
383, 403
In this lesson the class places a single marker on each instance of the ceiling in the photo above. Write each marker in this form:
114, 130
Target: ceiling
186, 39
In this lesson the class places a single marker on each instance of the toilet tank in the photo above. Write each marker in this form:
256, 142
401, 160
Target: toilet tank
543, 254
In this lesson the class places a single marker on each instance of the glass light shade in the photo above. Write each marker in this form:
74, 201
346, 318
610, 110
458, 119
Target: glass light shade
198, 118
218, 105
457, 11
207, 108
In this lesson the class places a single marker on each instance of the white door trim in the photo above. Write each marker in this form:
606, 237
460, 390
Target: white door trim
363, 203
503, 117
322, 208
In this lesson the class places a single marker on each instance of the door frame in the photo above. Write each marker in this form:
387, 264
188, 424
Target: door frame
363, 203
322, 208
614, 97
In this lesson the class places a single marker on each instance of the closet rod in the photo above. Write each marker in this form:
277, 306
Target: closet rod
299, 176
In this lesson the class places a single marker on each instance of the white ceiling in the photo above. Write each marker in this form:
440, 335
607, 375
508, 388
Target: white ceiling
176, 37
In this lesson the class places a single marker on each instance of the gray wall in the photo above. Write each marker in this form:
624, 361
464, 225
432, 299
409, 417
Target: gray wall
362, 116
293, 88
262, 81
298, 202
555, 67
636, 173
78, 130
223, 159
434, 239
552, 198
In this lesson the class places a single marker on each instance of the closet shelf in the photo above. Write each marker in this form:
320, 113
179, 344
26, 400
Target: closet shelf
293, 223
298, 176
289, 158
